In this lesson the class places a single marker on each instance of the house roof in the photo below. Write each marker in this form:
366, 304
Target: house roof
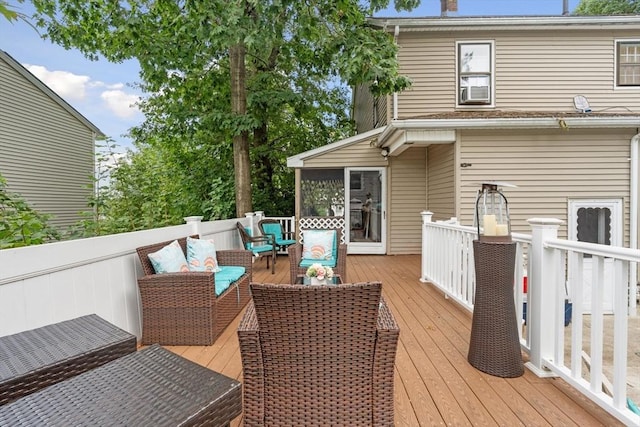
47, 91
506, 23
298, 160
441, 127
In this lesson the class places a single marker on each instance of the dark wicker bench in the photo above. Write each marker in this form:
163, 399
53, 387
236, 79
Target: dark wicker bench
40, 357
153, 387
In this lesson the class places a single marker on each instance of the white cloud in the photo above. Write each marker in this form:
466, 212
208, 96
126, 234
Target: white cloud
122, 104
64, 83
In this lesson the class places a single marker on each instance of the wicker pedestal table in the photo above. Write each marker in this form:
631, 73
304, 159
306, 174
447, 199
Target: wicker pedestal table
494, 347
152, 387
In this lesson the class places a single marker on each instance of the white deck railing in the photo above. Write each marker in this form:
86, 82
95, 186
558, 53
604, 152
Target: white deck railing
45, 284
558, 271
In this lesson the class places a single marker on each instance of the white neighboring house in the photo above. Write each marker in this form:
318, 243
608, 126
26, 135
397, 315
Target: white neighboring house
47, 148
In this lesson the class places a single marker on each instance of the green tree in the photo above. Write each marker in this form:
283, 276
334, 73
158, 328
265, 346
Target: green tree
608, 7
225, 73
21, 225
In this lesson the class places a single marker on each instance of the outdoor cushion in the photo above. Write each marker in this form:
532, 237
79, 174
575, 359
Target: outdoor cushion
319, 244
169, 259
226, 276
306, 262
201, 255
276, 230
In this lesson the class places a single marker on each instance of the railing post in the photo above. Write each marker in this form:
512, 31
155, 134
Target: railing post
426, 218
194, 222
541, 294
250, 215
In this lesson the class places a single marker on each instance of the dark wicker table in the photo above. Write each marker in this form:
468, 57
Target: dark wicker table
494, 346
153, 387
35, 359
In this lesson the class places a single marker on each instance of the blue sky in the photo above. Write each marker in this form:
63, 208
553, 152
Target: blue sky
104, 93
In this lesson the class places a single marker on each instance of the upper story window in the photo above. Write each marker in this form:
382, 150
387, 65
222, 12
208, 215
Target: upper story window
628, 66
475, 72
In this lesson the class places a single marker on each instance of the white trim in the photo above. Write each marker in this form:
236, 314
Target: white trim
369, 248
545, 23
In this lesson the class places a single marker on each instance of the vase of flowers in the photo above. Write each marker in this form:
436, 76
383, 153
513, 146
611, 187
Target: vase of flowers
319, 274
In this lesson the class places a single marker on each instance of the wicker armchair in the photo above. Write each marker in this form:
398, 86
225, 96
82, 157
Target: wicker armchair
318, 355
182, 308
283, 239
261, 246
295, 256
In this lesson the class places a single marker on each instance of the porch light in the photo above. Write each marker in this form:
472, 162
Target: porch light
492, 213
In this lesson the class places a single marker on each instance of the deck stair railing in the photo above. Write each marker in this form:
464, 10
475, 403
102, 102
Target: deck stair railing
559, 274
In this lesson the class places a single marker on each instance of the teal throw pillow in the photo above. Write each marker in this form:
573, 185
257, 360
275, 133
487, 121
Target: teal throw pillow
201, 255
169, 259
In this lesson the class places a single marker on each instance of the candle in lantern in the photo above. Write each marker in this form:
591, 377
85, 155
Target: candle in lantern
489, 222
502, 230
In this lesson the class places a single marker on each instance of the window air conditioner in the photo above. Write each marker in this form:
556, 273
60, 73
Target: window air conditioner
475, 94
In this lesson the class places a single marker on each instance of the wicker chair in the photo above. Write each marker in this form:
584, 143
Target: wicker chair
318, 355
295, 256
182, 308
261, 246
283, 239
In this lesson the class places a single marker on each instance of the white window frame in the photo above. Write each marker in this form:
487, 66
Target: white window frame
616, 65
476, 106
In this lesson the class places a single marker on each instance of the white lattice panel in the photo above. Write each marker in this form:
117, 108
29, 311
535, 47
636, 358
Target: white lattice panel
322, 223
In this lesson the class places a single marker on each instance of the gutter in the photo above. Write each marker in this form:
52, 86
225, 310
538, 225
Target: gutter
506, 22
395, 94
508, 123
633, 219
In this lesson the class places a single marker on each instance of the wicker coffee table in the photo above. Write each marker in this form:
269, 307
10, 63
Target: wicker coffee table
152, 387
40, 357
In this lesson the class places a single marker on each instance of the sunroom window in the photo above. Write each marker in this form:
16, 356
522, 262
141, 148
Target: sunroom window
628, 67
475, 71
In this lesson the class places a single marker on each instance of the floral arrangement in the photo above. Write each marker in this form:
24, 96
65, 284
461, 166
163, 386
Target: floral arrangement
319, 271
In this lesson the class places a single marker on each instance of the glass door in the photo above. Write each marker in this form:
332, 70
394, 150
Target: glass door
366, 210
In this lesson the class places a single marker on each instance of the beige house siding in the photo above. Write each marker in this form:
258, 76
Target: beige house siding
441, 181
549, 167
355, 155
534, 70
46, 153
407, 198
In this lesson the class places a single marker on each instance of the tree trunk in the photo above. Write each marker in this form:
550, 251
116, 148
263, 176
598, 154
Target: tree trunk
241, 163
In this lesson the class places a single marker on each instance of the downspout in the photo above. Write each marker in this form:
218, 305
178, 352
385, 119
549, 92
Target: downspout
395, 94
633, 220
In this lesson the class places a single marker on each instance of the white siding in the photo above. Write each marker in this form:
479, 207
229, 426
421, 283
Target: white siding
549, 168
46, 154
407, 198
534, 70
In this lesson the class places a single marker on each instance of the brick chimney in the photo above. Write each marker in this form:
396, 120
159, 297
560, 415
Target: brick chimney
448, 7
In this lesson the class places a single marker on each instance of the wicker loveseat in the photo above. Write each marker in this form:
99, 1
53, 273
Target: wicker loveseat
318, 355
183, 308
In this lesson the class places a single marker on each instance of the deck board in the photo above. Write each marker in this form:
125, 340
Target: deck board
434, 384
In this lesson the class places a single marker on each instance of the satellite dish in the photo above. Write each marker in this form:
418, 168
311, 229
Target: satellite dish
581, 104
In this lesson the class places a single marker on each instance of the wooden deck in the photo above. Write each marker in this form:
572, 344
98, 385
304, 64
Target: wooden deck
435, 385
